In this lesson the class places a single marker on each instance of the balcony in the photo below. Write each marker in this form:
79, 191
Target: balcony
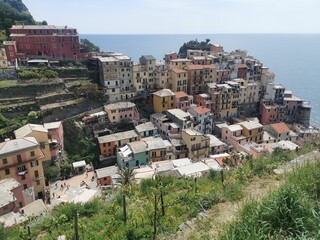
37, 178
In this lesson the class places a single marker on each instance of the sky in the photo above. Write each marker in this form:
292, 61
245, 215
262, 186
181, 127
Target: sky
180, 16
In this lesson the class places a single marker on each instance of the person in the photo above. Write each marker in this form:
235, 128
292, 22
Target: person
52, 195
61, 185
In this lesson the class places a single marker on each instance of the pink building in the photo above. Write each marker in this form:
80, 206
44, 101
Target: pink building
223, 75
55, 136
272, 113
203, 100
182, 100
11, 196
233, 134
170, 56
11, 52
216, 48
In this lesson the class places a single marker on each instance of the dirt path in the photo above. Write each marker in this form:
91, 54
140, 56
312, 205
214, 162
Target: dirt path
223, 213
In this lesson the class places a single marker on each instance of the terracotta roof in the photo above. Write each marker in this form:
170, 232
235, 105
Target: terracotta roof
280, 127
178, 70
201, 110
197, 67
241, 66
180, 94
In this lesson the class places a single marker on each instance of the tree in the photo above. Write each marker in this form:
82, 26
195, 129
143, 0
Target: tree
32, 116
126, 177
91, 91
88, 46
51, 172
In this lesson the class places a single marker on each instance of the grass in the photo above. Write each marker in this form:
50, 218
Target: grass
8, 83
183, 200
291, 212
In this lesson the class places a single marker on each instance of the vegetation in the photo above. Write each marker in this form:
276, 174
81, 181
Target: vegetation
8, 125
13, 12
37, 73
78, 146
91, 91
291, 212
51, 172
88, 46
158, 206
8, 83
194, 45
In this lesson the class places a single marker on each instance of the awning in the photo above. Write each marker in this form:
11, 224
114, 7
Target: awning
79, 164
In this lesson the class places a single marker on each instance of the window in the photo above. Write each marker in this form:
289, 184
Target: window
4, 161
34, 163
19, 158
23, 177
7, 171
36, 173
25, 186
104, 144
32, 154
38, 182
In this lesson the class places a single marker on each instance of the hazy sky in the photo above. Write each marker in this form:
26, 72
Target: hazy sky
180, 16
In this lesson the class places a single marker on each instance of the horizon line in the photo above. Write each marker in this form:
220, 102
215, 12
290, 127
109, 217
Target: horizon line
192, 33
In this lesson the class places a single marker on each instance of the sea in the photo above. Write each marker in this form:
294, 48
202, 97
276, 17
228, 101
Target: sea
294, 58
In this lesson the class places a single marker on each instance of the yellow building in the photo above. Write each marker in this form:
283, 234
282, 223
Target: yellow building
252, 131
198, 145
228, 96
22, 159
163, 100
40, 133
179, 79
157, 149
144, 74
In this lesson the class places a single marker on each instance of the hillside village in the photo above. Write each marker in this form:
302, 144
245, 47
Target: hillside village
180, 117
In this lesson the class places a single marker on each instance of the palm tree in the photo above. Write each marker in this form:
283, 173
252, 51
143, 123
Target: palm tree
126, 177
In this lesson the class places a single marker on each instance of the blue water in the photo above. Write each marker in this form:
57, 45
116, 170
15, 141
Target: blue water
295, 58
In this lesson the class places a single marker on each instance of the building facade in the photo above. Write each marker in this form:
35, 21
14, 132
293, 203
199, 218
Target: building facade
55, 42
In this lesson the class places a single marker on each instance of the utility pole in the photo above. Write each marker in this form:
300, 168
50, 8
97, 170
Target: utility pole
124, 208
195, 186
29, 233
222, 177
162, 203
155, 217
76, 232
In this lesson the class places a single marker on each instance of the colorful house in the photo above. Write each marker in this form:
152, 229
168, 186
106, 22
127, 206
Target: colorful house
59, 42
21, 159
182, 100
40, 133
104, 175
163, 100
157, 149
133, 155
11, 196
110, 143
280, 131
198, 145
55, 135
